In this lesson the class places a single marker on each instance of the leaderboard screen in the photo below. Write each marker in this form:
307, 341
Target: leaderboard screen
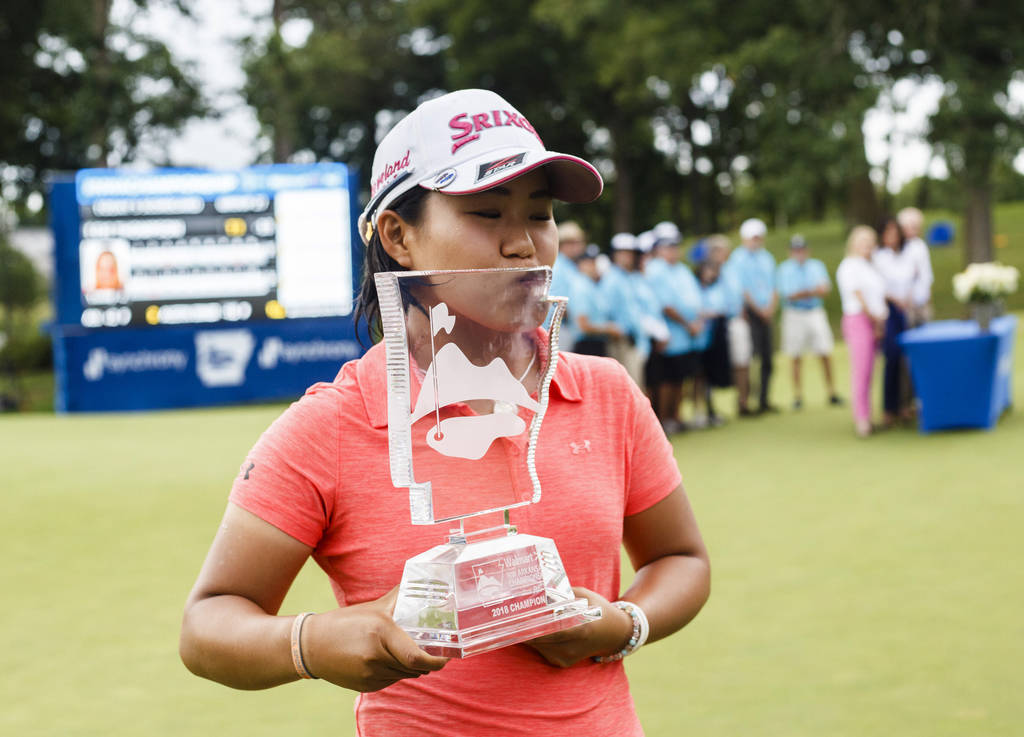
177, 247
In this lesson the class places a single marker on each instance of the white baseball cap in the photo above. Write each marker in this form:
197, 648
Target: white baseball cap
667, 234
753, 228
624, 242
646, 241
464, 142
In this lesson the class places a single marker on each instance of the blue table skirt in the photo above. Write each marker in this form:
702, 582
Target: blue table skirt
962, 376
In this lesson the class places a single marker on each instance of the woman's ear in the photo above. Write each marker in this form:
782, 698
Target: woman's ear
394, 237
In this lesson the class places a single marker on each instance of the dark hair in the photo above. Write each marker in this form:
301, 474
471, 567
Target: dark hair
883, 224
408, 206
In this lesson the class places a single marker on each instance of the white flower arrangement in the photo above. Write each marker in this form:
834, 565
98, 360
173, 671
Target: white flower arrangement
985, 282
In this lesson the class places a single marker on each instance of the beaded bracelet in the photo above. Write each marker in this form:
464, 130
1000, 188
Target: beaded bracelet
641, 630
297, 659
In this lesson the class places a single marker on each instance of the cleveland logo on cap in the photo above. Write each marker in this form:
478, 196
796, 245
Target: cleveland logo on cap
470, 126
390, 170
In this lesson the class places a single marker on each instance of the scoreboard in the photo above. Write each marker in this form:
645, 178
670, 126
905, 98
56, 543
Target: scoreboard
187, 287
179, 247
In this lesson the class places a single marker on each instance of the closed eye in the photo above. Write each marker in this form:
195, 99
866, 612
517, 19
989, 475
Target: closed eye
490, 214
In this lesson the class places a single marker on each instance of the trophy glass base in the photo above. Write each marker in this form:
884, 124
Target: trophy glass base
465, 598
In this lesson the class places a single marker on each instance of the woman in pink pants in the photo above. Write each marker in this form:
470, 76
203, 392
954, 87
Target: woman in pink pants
862, 291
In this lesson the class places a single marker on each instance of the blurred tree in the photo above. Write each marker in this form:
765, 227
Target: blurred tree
803, 97
323, 98
588, 69
696, 112
527, 58
80, 90
976, 47
21, 289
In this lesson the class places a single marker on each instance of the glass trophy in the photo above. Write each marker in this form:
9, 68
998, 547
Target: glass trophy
468, 372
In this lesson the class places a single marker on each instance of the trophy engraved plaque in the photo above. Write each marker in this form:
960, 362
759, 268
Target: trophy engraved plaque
468, 372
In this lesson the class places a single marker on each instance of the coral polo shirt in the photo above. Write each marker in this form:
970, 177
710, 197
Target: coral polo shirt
320, 473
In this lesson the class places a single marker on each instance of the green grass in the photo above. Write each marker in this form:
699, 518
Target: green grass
860, 587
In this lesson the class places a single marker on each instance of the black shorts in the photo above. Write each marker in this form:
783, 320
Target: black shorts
591, 346
655, 369
682, 366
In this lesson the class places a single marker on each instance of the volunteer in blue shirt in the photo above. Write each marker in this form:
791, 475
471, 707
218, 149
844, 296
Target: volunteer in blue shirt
753, 269
716, 306
564, 275
678, 293
617, 290
802, 281
590, 314
654, 328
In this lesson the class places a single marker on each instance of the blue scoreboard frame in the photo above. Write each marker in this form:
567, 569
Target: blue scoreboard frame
176, 322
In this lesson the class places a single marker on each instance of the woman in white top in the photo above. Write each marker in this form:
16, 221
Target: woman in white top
896, 265
862, 291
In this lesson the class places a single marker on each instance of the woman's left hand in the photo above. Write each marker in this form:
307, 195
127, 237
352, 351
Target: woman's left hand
605, 636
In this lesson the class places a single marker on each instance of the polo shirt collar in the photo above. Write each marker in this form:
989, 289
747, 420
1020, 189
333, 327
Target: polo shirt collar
373, 384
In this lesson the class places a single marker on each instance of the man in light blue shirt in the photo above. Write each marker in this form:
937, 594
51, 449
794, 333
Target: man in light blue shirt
678, 296
591, 316
564, 275
618, 292
752, 268
802, 282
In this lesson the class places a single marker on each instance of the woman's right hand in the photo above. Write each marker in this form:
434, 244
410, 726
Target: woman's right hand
361, 648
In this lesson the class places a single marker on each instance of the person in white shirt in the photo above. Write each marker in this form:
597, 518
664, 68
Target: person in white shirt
894, 263
912, 221
862, 292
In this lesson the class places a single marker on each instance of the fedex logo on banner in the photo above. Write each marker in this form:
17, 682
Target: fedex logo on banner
391, 170
470, 126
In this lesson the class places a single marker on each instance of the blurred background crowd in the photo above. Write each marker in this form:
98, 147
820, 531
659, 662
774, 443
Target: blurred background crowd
684, 324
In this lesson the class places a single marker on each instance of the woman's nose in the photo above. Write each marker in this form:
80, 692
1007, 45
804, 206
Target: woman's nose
518, 243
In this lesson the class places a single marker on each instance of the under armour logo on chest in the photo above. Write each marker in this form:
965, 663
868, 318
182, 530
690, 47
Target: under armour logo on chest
578, 448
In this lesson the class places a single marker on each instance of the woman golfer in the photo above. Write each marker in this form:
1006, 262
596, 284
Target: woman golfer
463, 182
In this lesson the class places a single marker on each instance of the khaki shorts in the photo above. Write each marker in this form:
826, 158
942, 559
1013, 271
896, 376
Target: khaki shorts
741, 346
623, 351
806, 331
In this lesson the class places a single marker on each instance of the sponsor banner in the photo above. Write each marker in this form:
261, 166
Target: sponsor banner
183, 367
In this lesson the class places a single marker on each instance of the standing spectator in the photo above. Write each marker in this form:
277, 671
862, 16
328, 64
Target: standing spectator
862, 291
912, 221
653, 334
894, 263
618, 293
802, 282
737, 331
715, 367
752, 267
564, 275
678, 295
590, 314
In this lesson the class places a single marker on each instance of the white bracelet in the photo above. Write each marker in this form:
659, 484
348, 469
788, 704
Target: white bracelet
641, 631
645, 626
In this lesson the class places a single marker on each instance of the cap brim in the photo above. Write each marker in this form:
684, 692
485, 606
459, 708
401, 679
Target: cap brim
570, 179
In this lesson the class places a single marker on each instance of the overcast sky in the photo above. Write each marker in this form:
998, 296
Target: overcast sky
233, 141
